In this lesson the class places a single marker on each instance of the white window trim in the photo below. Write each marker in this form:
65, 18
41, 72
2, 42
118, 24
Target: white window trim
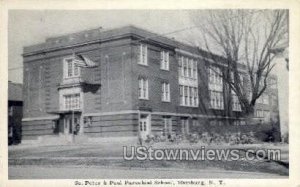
143, 48
70, 91
144, 86
65, 69
166, 96
194, 96
165, 60
214, 96
168, 126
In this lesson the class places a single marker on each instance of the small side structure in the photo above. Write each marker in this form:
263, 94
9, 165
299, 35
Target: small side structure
15, 112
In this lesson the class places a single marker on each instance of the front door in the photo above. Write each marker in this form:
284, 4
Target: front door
71, 121
144, 126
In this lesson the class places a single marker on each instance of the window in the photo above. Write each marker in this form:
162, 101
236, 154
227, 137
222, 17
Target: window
188, 82
196, 96
70, 68
195, 69
237, 122
189, 63
265, 99
187, 67
165, 92
215, 79
267, 115
236, 106
216, 99
180, 66
259, 113
184, 126
164, 60
10, 110
274, 100
215, 86
181, 95
72, 101
143, 88
191, 94
188, 96
167, 125
273, 83
143, 55
195, 122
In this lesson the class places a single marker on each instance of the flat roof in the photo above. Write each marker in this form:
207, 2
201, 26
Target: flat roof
96, 35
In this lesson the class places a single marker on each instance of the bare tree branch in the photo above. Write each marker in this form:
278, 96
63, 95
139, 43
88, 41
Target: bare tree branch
244, 38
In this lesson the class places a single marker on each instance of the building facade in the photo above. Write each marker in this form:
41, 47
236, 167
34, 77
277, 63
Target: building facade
142, 84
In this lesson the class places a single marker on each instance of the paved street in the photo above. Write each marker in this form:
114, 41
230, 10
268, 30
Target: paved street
72, 172
106, 161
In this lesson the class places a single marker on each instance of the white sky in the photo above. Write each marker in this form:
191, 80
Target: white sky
32, 27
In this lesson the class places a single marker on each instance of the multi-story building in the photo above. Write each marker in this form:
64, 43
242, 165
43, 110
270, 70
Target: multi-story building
134, 83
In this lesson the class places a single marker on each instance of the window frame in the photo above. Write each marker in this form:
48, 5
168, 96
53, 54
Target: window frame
188, 96
143, 55
74, 68
69, 101
166, 96
168, 126
143, 89
165, 60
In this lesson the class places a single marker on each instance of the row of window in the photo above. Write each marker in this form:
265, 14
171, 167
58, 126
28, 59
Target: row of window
221, 122
239, 122
262, 113
188, 96
164, 57
144, 90
187, 66
184, 125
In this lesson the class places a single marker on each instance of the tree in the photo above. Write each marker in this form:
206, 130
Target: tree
243, 38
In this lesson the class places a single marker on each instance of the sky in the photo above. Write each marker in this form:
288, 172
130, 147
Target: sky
28, 27
33, 27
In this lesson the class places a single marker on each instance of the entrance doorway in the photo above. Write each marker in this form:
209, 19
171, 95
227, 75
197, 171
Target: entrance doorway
144, 126
70, 124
